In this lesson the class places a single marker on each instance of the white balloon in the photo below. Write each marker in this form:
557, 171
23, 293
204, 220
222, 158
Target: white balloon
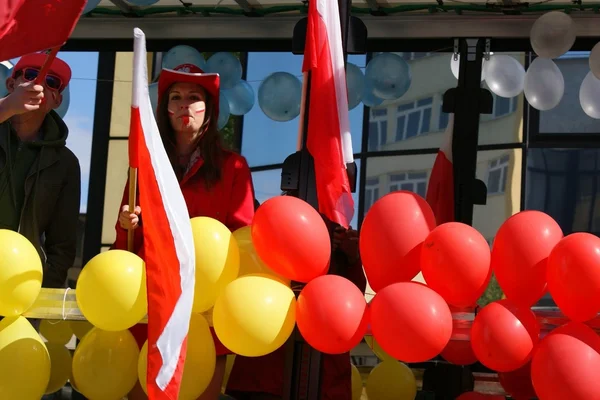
504, 75
595, 60
589, 95
454, 67
544, 84
552, 34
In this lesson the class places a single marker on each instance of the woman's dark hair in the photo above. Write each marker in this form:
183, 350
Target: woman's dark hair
211, 148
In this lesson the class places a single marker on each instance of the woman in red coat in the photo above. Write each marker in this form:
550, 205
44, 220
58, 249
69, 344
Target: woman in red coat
262, 378
215, 182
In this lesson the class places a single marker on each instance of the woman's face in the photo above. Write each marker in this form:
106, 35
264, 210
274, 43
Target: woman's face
187, 107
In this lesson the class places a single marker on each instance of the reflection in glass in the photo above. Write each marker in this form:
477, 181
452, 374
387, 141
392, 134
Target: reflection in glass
568, 116
388, 174
265, 141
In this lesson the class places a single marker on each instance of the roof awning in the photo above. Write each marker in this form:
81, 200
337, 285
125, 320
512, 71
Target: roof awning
267, 19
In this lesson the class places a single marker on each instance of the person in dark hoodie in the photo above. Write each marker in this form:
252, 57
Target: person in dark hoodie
39, 177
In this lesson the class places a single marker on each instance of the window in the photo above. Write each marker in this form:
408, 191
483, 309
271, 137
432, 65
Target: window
378, 129
443, 120
497, 173
371, 192
412, 181
413, 118
413, 55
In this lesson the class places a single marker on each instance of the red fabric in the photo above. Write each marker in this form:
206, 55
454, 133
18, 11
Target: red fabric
265, 374
325, 120
36, 60
35, 25
140, 333
440, 190
231, 201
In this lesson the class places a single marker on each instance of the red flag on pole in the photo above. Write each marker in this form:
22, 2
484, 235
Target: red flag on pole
35, 25
168, 242
440, 190
329, 140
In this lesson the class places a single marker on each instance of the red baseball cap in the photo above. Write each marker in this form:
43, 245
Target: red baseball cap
35, 60
193, 74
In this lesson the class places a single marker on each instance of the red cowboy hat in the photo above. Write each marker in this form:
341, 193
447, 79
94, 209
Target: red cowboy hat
190, 73
36, 60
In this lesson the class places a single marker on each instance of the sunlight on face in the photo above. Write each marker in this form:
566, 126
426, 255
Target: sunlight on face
187, 108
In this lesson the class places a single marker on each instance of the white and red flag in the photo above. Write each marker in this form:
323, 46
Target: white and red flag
440, 190
168, 242
329, 140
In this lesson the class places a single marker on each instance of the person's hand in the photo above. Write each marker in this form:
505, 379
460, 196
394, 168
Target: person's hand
129, 220
347, 242
25, 97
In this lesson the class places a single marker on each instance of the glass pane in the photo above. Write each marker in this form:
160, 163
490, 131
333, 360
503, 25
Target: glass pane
488, 218
568, 116
116, 178
431, 77
559, 184
265, 141
504, 125
400, 128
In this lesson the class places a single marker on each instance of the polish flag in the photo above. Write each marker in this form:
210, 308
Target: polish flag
35, 25
440, 190
329, 140
168, 241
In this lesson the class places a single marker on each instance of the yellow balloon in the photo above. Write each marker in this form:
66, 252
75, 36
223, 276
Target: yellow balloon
80, 328
60, 370
250, 262
377, 350
255, 315
357, 383
229, 361
105, 364
391, 380
20, 273
199, 367
111, 290
24, 360
56, 331
217, 261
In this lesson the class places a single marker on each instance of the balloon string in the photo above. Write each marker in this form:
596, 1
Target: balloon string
64, 314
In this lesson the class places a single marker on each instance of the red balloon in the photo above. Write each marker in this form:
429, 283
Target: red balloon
504, 335
410, 322
520, 253
291, 238
455, 262
391, 237
479, 396
331, 314
566, 364
459, 352
517, 383
574, 276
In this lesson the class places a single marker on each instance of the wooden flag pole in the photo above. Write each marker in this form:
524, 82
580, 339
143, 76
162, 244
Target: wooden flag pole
132, 204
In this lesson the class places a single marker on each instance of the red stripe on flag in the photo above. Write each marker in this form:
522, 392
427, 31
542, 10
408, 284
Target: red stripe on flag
440, 190
324, 128
162, 264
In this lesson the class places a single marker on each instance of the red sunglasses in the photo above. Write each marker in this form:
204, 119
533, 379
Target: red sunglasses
52, 81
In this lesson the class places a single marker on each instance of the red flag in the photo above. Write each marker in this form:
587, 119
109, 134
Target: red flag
168, 242
440, 190
35, 25
329, 139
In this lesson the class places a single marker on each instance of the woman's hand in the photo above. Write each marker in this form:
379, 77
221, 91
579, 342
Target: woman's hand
129, 220
347, 242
